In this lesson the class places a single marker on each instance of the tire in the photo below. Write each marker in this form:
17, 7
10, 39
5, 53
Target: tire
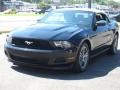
114, 46
82, 59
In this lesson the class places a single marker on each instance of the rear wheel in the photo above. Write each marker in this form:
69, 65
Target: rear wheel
82, 58
114, 46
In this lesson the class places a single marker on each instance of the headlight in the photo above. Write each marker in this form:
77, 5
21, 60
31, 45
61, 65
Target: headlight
9, 39
62, 44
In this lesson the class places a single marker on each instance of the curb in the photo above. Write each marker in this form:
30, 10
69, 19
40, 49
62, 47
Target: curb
5, 30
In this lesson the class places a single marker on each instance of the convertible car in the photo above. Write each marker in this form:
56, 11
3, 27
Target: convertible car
63, 39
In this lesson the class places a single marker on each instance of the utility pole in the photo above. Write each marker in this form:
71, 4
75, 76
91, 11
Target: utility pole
89, 3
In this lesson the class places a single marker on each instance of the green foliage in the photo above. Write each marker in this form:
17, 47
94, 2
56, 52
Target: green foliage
111, 3
11, 11
37, 1
70, 2
101, 2
48, 1
43, 5
114, 4
26, 0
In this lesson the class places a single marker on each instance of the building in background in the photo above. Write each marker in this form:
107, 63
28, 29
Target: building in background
13, 4
27, 7
18, 5
2, 7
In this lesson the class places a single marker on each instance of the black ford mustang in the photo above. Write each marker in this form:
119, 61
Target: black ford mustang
62, 39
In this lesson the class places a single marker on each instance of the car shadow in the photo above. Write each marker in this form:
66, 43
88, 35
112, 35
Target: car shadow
99, 66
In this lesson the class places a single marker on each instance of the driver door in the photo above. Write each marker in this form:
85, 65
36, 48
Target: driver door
101, 35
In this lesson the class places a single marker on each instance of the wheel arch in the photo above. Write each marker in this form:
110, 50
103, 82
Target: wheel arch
117, 34
84, 41
89, 44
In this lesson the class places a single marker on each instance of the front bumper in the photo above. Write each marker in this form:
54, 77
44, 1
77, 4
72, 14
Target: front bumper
50, 59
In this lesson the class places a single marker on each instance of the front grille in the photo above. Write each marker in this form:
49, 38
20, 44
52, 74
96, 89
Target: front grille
41, 61
31, 43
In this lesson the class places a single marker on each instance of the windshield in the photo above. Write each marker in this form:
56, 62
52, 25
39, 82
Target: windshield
68, 17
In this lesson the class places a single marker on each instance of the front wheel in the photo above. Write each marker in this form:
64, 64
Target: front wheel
82, 58
114, 46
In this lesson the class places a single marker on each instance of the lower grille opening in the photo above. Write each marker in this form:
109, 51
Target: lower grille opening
60, 60
41, 61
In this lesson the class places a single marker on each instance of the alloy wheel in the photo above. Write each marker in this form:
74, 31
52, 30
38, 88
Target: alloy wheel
84, 56
115, 44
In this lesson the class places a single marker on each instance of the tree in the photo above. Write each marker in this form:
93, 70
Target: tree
26, 0
70, 2
37, 1
114, 4
101, 2
48, 1
43, 5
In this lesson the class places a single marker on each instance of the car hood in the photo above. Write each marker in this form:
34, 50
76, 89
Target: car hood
47, 31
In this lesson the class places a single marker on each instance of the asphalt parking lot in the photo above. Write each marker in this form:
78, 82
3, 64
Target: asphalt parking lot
102, 74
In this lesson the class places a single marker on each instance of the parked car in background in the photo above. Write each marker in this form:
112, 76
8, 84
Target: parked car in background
63, 39
43, 10
40, 11
49, 10
116, 17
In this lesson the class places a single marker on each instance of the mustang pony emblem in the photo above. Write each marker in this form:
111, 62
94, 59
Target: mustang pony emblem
28, 42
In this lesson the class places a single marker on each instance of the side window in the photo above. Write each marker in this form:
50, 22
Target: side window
106, 18
99, 17
102, 16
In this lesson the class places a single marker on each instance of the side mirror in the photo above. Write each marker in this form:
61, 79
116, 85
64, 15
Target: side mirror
101, 23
